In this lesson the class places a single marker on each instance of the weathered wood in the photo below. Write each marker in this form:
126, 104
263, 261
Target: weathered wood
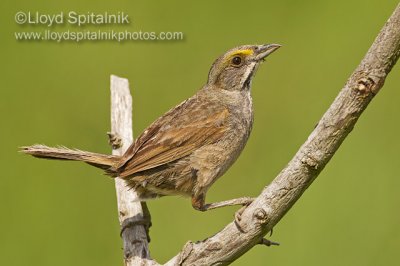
133, 235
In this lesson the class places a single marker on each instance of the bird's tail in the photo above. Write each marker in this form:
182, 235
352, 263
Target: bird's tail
105, 162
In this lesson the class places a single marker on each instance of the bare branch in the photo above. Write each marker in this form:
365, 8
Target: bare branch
277, 198
133, 234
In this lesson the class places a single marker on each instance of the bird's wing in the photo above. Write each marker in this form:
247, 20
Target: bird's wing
175, 135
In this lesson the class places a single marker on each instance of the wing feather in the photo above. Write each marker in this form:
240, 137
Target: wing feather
175, 135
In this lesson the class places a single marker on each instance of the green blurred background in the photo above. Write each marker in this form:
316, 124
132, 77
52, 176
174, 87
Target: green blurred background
58, 213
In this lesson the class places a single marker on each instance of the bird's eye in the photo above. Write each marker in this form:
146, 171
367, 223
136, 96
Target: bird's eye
237, 61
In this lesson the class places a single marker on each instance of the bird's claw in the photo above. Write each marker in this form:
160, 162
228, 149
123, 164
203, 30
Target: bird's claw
238, 216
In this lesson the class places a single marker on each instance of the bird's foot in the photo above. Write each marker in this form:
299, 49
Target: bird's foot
238, 217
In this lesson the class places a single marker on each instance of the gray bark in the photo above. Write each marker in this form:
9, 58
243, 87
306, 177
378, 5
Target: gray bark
134, 236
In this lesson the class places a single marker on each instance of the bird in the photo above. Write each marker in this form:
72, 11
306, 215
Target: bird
187, 149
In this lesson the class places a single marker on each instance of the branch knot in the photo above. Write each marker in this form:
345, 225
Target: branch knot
261, 215
366, 85
310, 162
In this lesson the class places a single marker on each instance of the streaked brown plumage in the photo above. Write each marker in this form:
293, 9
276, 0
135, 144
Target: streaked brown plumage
188, 148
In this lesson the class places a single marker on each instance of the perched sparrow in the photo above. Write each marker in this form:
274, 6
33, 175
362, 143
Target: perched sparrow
188, 148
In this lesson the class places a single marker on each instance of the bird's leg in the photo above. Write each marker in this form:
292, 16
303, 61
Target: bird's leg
198, 202
244, 201
114, 140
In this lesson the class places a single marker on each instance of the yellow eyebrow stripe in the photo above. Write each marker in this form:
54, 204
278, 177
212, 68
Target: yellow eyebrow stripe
243, 52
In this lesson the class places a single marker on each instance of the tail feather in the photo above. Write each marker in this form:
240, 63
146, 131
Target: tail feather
105, 162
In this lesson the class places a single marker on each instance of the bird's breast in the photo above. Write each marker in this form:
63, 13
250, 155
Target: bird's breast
235, 139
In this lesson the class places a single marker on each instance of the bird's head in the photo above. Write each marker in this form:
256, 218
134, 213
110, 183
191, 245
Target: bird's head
234, 70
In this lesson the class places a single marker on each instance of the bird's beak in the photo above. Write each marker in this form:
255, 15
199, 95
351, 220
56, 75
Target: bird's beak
264, 50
